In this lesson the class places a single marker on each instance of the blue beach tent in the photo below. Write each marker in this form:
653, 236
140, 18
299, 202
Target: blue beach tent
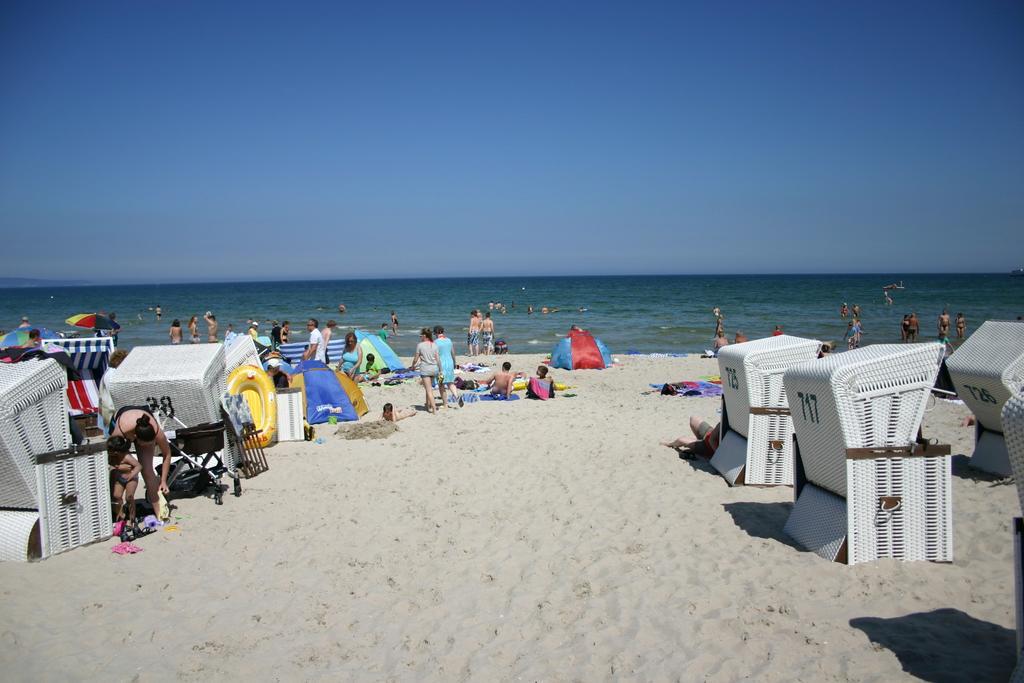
325, 396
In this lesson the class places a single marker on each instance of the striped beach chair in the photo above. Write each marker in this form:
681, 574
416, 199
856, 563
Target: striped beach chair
756, 446
867, 486
90, 357
986, 369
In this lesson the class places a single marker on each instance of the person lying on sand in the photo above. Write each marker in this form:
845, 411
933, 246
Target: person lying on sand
392, 415
704, 445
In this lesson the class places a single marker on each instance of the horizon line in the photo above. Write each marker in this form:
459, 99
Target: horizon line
57, 283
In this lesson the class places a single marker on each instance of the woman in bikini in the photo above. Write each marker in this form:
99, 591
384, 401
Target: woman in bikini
138, 426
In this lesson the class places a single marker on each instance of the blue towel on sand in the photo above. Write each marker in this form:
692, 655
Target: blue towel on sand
496, 397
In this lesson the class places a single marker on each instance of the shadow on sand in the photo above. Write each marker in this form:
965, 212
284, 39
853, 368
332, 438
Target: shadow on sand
762, 520
945, 645
961, 465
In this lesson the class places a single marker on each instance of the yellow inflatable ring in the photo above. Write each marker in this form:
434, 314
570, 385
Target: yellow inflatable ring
258, 389
520, 384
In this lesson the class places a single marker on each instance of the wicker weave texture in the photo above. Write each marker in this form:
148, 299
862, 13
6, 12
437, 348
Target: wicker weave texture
1013, 433
818, 522
767, 465
919, 528
15, 534
870, 397
289, 416
75, 502
241, 352
987, 368
751, 374
189, 376
33, 419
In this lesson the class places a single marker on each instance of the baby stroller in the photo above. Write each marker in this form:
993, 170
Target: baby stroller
191, 476
500, 347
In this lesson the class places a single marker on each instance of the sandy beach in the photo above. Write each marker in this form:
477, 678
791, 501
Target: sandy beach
517, 541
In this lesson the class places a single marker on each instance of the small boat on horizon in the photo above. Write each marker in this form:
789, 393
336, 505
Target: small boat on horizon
1017, 272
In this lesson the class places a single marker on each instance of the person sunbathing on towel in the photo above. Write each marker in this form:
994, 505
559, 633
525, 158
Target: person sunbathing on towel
706, 443
501, 383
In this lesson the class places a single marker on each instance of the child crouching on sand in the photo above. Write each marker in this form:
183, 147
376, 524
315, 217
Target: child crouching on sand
124, 478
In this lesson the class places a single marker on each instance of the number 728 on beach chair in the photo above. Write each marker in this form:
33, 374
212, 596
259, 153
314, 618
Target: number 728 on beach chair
986, 369
756, 447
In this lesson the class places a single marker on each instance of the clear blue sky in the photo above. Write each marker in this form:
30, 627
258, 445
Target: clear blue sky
166, 139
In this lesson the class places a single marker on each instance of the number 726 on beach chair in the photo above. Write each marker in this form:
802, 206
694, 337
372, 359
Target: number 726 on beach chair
756, 447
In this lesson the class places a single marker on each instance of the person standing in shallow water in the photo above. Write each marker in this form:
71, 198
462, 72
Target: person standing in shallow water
473, 336
487, 332
211, 327
175, 331
844, 311
943, 326
961, 326
394, 323
913, 328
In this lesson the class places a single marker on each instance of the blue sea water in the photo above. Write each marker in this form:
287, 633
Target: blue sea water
670, 313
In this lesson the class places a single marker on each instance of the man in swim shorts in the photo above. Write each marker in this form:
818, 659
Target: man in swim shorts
473, 336
487, 332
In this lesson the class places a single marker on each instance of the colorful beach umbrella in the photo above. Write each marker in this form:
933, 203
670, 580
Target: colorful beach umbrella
92, 321
19, 337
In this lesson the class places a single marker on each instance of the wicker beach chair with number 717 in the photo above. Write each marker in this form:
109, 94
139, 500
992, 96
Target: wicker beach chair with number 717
756, 447
986, 369
867, 485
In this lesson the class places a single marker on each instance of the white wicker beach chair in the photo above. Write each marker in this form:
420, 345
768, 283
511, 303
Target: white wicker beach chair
33, 419
756, 445
75, 505
866, 487
985, 370
61, 502
1012, 419
241, 352
183, 381
290, 415
19, 536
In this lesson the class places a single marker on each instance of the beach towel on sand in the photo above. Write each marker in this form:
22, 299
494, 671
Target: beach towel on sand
495, 396
686, 388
